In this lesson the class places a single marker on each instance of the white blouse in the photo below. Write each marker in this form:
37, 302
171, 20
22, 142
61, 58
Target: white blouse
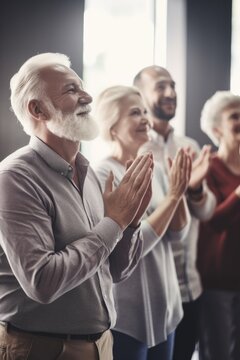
148, 303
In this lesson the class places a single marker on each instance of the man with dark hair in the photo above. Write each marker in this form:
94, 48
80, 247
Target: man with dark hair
158, 90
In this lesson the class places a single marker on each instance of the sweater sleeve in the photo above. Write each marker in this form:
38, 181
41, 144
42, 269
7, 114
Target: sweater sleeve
225, 212
228, 203
204, 208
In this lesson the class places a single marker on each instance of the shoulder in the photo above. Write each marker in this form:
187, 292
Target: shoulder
217, 164
106, 165
20, 161
217, 171
19, 176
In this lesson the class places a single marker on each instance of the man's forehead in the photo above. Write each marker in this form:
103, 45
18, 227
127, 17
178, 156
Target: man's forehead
59, 73
157, 74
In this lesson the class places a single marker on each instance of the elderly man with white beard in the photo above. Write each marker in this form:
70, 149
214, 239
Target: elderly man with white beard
62, 242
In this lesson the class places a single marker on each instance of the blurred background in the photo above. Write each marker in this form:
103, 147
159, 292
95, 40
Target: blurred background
109, 41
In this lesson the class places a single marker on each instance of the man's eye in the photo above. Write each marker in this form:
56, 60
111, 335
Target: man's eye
71, 90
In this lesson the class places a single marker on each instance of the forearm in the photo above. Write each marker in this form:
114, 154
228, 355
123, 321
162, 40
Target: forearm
163, 214
126, 254
180, 218
203, 205
45, 274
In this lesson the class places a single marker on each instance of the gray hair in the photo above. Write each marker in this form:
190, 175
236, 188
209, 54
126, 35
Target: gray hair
212, 110
27, 85
107, 110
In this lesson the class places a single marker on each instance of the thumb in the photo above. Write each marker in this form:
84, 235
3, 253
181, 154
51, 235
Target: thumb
109, 183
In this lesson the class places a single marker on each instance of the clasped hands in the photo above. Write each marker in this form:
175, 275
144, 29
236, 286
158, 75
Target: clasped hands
127, 203
187, 170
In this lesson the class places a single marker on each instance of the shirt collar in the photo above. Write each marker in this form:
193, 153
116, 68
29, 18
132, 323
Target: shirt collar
158, 137
55, 161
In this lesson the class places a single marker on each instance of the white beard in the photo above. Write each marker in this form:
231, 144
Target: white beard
72, 126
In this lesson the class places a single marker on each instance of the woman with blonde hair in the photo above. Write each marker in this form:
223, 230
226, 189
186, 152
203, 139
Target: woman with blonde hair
148, 303
219, 245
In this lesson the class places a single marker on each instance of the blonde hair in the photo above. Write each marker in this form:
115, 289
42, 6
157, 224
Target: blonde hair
212, 110
107, 110
26, 85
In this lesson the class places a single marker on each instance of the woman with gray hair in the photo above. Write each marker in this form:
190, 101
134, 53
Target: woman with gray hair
219, 245
148, 303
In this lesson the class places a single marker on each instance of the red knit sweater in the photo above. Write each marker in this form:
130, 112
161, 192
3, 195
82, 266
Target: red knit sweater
219, 239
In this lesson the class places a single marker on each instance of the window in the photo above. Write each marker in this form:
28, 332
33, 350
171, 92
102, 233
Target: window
235, 70
119, 40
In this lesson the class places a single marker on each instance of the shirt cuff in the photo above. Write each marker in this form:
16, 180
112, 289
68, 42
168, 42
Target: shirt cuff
197, 201
109, 232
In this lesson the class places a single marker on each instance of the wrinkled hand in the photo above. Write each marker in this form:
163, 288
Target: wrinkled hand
200, 167
192, 153
179, 173
145, 201
127, 202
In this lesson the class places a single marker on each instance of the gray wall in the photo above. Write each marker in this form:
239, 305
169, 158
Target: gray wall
208, 57
28, 27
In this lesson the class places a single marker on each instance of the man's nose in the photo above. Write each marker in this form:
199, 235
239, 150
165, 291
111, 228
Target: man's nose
85, 98
170, 92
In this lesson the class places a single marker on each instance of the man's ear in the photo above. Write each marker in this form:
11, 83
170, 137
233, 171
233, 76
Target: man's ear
37, 110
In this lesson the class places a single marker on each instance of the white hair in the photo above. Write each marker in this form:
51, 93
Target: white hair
107, 109
212, 110
26, 85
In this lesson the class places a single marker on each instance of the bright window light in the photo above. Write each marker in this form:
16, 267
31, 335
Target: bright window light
160, 32
235, 67
119, 40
